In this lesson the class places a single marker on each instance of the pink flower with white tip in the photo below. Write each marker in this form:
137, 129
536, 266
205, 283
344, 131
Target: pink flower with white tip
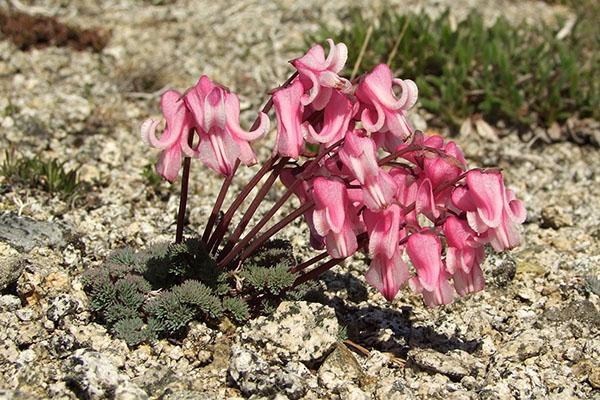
387, 272
334, 217
359, 154
174, 140
216, 114
425, 252
491, 210
319, 75
383, 112
289, 109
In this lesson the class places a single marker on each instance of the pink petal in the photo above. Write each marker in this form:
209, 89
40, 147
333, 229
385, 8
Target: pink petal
470, 282
487, 192
289, 113
169, 163
425, 252
425, 203
232, 108
387, 275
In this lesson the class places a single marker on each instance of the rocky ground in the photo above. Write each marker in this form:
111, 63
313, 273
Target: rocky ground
532, 334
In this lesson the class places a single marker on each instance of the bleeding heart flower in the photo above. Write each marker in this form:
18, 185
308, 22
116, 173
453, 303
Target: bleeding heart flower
174, 140
359, 154
336, 120
319, 75
334, 217
216, 114
288, 109
383, 112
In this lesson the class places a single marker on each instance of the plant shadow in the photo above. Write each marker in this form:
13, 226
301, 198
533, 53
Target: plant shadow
386, 329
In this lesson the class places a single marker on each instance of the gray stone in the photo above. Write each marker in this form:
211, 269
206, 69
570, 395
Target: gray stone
9, 302
96, 377
255, 376
11, 265
297, 331
556, 217
60, 306
454, 364
339, 369
24, 233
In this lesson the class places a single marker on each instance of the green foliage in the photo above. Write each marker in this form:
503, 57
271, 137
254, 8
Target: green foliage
238, 308
151, 178
50, 175
520, 75
342, 333
592, 284
133, 331
157, 292
274, 279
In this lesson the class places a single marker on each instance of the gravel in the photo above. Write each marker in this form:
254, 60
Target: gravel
532, 334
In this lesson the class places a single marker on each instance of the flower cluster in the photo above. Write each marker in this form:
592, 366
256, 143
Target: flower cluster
368, 180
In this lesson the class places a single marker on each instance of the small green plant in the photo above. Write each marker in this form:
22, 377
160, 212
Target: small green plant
151, 178
155, 293
521, 75
49, 175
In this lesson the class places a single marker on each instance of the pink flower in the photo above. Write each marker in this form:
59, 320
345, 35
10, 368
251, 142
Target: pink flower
359, 155
320, 75
383, 112
387, 272
425, 252
463, 256
216, 114
387, 275
334, 217
336, 120
288, 109
174, 139
492, 210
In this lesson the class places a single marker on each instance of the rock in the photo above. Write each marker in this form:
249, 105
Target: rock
556, 217
9, 302
195, 346
352, 392
11, 265
455, 364
594, 377
24, 233
61, 343
504, 268
297, 331
339, 369
526, 345
581, 310
60, 306
155, 378
95, 377
255, 376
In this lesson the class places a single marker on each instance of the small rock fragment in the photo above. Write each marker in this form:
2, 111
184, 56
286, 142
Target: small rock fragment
455, 364
24, 233
556, 217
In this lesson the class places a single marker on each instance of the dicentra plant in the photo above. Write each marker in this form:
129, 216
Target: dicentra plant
366, 182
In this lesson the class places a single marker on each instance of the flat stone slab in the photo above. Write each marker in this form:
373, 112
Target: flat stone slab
24, 233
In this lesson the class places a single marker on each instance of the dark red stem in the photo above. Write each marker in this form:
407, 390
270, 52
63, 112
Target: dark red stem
215, 239
313, 273
232, 240
219, 203
309, 262
184, 192
265, 236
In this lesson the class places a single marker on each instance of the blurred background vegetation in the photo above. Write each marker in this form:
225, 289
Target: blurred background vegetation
515, 75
